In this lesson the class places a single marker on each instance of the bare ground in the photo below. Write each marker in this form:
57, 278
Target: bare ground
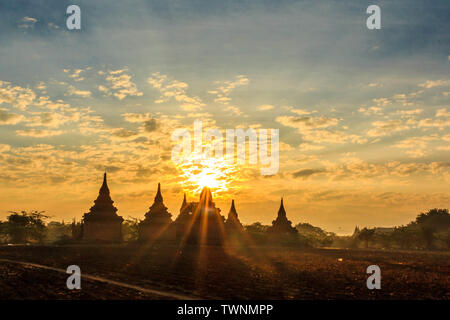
216, 273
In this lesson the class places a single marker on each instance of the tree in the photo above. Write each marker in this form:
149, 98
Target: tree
430, 222
130, 229
366, 235
24, 226
315, 236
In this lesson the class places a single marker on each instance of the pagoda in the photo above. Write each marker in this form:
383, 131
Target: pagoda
102, 223
207, 222
183, 222
157, 220
233, 225
281, 225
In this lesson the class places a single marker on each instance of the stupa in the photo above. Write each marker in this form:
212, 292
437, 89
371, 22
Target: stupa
207, 222
233, 225
183, 222
157, 220
102, 223
281, 225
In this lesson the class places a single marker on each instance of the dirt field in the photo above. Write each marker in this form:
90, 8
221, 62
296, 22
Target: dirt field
216, 273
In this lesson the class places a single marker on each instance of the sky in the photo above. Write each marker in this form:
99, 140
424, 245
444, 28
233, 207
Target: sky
363, 115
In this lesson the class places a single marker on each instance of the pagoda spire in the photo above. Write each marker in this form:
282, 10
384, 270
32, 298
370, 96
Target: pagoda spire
158, 197
232, 209
281, 211
233, 224
104, 188
184, 201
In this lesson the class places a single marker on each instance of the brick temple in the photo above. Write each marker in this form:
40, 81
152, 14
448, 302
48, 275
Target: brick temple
102, 223
199, 222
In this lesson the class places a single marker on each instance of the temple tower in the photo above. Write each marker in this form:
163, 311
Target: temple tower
183, 222
281, 225
102, 223
207, 224
157, 220
233, 224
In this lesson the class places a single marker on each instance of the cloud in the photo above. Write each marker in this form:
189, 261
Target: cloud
27, 22
443, 113
309, 147
121, 84
50, 119
38, 133
382, 102
4, 148
433, 83
151, 125
75, 74
417, 146
383, 128
225, 87
223, 90
265, 107
285, 147
304, 173
234, 110
52, 25
136, 117
311, 129
300, 112
19, 97
446, 137
307, 122
434, 123
124, 133
176, 90
409, 112
81, 93
370, 110
9, 118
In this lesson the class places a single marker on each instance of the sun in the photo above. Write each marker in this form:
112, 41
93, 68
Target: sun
214, 173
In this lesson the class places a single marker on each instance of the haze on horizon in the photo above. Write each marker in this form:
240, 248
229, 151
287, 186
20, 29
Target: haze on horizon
364, 115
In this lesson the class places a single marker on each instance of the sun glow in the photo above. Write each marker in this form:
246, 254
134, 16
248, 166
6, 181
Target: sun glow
215, 173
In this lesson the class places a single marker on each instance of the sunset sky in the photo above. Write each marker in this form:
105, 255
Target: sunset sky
363, 115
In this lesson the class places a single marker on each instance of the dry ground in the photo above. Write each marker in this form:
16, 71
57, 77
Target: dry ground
216, 273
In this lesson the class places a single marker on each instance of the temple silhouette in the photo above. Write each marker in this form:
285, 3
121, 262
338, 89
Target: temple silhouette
198, 222
102, 223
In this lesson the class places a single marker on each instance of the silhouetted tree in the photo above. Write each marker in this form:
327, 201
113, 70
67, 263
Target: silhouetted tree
24, 226
315, 236
431, 222
366, 235
257, 227
130, 229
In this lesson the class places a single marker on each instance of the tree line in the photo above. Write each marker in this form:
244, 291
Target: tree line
429, 231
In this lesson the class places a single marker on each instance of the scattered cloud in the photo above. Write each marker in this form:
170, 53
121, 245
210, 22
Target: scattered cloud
433, 83
27, 22
383, 128
265, 107
120, 84
38, 133
9, 118
176, 90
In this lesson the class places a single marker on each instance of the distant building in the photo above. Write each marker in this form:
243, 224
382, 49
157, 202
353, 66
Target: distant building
207, 225
281, 225
102, 223
183, 222
233, 225
157, 221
